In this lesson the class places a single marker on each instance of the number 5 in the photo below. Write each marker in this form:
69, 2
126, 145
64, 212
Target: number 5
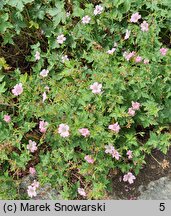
162, 206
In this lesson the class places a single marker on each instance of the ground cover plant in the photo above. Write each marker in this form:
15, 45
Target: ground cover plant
84, 90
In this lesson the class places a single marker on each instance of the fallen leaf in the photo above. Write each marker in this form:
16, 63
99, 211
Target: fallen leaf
165, 164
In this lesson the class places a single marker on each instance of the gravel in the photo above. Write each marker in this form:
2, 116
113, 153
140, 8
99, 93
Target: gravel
156, 190
45, 192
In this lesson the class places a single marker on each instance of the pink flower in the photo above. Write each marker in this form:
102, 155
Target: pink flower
96, 88
89, 159
135, 105
129, 153
60, 39
47, 88
68, 13
18, 89
144, 26
63, 130
127, 35
86, 19
43, 126
7, 118
84, 132
44, 96
131, 111
146, 61
110, 52
98, 9
44, 73
32, 171
109, 149
115, 154
82, 192
35, 184
129, 177
138, 59
31, 191
114, 127
115, 44
163, 51
135, 17
37, 55
32, 146
128, 56
65, 58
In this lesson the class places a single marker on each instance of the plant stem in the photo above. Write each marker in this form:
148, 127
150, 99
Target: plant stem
156, 160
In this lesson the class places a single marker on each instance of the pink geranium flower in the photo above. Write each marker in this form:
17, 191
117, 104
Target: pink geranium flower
135, 17
135, 105
44, 96
96, 88
18, 89
63, 130
84, 132
98, 9
127, 34
128, 56
144, 26
37, 56
44, 73
110, 52
31, 191
61, 38
115, 154
68, 13
89, 159
65, 58
7, 118
82, 192
115, 44
43, 126
146, 61
138, 59
163, 51
86, 19
47, 88
109, 149
114, 127
32, 171
32, 146
35, 184
129, 177
131, 111
129, 153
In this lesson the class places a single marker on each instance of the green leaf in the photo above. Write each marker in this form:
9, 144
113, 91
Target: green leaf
78, 12
152, 108
33, 24
2, 87
19, 4
1, 77
2, 3
23, 78
8, 38
4, 25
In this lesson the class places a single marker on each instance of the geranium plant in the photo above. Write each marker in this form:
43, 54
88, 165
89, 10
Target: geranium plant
81, 82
